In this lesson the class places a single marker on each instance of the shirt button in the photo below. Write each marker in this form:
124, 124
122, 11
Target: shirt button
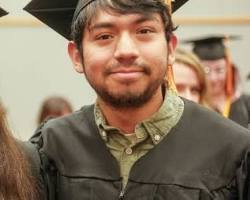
129, 151
157, 137
103, 133
140, 135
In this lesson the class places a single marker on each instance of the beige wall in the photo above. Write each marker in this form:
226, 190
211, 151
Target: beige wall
34, 61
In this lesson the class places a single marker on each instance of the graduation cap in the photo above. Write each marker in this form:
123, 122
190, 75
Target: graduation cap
211, 47
174, 5
2, 12
59, 14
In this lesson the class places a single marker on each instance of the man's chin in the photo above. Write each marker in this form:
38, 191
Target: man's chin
124, 92
126, 100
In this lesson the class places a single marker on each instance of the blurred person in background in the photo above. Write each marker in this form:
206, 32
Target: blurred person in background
247, 86
54, 106
189, 77
223, 78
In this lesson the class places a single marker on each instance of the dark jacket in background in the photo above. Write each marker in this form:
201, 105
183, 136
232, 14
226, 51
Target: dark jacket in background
240, 111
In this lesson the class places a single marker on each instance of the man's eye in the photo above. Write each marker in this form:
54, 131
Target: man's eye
104, 37
145, 31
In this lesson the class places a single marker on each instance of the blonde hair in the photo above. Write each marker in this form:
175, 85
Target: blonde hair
191, 60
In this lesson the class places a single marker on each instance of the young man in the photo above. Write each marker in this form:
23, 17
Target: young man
137, 141
222, 78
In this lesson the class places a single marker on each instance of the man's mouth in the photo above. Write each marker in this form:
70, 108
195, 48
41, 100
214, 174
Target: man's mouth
127, 73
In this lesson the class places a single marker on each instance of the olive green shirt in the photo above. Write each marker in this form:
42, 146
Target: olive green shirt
128, 148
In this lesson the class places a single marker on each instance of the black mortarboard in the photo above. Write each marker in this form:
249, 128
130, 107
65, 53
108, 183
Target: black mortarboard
2, 12
210, 47
58, 14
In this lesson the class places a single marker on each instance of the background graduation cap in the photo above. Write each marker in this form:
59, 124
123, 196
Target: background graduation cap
2, 12
58, 14
212, 48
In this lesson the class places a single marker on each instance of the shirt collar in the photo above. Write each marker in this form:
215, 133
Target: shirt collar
157, 126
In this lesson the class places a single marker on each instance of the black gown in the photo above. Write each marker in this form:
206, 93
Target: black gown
204, 157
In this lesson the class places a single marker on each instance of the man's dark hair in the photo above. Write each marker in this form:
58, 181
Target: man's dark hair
123, 7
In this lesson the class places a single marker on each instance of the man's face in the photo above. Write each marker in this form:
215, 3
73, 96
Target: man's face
125, 57
187, 82
216, 74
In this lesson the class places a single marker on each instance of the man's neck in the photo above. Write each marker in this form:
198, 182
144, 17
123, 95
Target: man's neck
126, 119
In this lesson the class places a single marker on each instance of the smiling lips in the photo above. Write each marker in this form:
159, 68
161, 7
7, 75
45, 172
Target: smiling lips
127, 73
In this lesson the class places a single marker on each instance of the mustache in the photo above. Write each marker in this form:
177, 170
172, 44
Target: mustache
135, 65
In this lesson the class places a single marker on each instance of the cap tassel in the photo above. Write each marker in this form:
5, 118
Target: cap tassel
229, 81
169, 3
227, 107
170, 79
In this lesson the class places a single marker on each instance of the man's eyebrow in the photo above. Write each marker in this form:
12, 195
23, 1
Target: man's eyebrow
100, 26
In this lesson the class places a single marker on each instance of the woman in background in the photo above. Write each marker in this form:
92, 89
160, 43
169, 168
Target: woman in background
190, 77
223, 77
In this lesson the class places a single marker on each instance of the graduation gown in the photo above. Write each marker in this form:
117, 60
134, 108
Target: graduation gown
203, 157
240, 111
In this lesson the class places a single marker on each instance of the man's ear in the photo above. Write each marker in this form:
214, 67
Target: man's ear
76, 57
171, 49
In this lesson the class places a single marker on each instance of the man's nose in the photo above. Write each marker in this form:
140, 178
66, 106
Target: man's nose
126, 49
